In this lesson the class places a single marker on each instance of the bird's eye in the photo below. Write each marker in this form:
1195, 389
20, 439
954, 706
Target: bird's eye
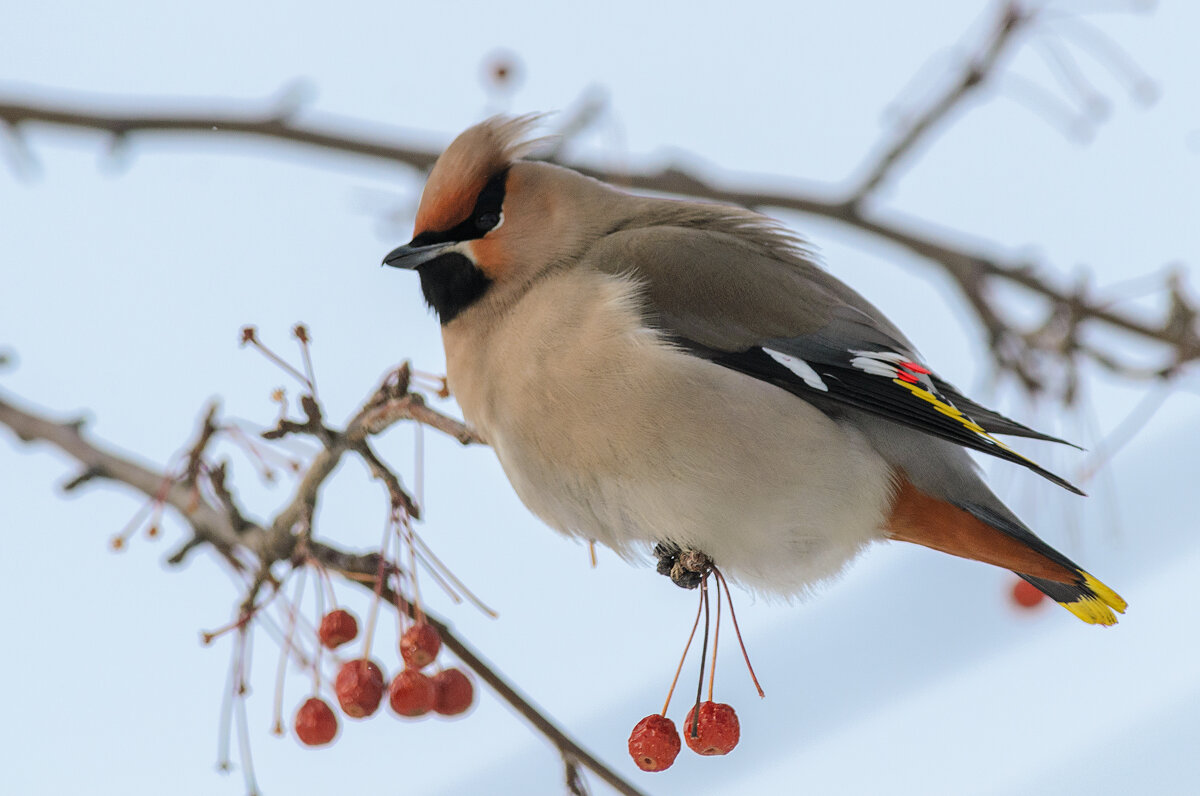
485, 221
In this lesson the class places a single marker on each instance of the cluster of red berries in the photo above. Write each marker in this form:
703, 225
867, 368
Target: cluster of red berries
360, 683
711, 728
654, 742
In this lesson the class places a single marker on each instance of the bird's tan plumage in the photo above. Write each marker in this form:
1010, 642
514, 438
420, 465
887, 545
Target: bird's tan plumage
607, 433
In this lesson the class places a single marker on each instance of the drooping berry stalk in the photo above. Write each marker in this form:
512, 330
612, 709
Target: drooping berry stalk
300, 331
404, 527
250, 337
693, 730
285, 652
425, 552
682, 658
380, 572
738, 630
712, 672
243, 724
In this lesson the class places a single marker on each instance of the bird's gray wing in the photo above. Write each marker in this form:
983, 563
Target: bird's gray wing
746, 298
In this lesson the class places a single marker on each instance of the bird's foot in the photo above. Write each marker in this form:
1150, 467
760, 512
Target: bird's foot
686, 568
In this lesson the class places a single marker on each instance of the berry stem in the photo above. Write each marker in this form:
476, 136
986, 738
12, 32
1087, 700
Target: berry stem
243, 619
285, 650
694, 730
118, 541
431, 381
402, 606
369, 634
427, 552
738, 630
155, 519
447, 587
301, 334
275, 358
226, 720
246, 443
412, 564
277, 632
320, 647
243, 731
712, 672
682, 658
419, 466
326, 582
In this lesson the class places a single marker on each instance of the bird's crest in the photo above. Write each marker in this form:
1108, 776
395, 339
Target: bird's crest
477, 155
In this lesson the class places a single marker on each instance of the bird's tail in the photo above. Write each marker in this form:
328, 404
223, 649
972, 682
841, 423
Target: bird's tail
994, 536
1087, 598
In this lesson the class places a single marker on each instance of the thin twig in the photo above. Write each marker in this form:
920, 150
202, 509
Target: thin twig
973, 75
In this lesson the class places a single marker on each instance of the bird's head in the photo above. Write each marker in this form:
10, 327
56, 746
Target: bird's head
489, 223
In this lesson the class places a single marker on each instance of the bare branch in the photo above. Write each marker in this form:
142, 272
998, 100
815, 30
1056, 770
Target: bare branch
976, 71
213, 524
397, 495
185, 550
79, 480
195, 454
258, 123
217, 525
963, 262
576, 785
389, 404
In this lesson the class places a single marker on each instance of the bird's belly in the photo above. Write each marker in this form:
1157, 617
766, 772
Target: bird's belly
635, 441
776, 509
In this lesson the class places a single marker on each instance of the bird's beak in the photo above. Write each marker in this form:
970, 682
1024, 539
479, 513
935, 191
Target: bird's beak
411, 257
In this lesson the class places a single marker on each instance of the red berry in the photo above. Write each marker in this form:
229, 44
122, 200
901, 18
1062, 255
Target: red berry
316, 724
337, 627
718, 732
454, 692
359, 688
654, 743
1026, 595
412, 694
419, 645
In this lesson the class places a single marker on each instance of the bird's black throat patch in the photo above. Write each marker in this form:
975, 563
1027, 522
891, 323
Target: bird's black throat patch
451, 283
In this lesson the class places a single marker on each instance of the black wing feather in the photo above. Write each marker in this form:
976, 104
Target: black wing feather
992, 421
849, 386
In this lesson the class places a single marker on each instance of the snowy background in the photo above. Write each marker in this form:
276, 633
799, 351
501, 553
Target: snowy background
125, 280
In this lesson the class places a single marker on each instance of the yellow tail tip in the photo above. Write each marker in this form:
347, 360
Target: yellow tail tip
1106, 595
1097, 608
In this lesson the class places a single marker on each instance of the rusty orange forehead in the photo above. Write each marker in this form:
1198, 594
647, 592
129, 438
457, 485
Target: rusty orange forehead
479, 153
443, 207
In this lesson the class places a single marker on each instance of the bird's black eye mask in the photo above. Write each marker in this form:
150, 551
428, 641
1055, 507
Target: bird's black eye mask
485, 217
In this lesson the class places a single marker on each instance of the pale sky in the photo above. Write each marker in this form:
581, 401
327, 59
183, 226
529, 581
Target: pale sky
125, 284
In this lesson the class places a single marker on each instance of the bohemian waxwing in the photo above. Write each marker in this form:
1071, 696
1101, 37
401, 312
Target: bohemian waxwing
659, 371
